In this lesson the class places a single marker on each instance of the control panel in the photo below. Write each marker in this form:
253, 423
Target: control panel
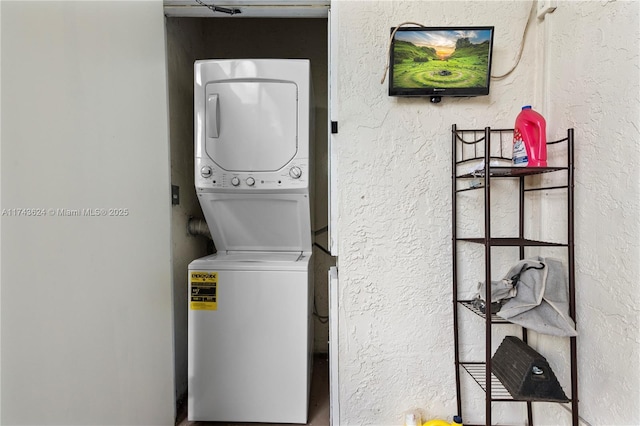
293, 176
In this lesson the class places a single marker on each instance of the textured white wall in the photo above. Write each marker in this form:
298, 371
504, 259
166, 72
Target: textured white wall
396, 349
593, 56
394, 156
86, 301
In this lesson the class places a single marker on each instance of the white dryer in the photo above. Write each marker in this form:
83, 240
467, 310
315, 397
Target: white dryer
250, 326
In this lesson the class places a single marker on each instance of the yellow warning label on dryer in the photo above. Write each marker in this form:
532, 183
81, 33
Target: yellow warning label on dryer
204, 291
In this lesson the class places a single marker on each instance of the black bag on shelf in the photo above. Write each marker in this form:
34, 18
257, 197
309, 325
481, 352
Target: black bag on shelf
525, 373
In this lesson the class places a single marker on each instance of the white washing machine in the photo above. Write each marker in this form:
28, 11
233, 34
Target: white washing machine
250, 325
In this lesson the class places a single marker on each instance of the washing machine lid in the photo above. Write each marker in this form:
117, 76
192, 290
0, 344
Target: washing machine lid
258, 222
260, 256
252, 261
251, 125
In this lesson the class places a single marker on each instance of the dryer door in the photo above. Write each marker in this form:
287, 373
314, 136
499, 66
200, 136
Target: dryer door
251, 125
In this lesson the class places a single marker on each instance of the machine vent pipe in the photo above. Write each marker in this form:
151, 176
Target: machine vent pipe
198, 227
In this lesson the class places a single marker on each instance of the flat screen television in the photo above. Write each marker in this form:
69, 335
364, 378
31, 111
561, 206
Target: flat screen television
440, 61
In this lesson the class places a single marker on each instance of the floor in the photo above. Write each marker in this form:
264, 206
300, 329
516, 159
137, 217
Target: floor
318, 403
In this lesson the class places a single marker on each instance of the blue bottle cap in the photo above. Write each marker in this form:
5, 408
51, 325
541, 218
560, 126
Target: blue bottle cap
526, 107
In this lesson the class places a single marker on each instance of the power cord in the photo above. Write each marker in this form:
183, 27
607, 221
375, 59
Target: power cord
323, 319
323, 249
218, 8
524, 37
393, 33
318, 232
321, 230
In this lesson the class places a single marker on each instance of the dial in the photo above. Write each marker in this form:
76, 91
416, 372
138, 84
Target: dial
205, 172
235, 181
295, 172
250, 181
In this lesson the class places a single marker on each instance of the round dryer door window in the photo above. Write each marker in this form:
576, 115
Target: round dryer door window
251, 126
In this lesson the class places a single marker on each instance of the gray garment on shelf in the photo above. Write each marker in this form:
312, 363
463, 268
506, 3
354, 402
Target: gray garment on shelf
500, 290
541, 300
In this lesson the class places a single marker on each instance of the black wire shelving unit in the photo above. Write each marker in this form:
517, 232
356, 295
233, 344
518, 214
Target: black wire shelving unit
489, 151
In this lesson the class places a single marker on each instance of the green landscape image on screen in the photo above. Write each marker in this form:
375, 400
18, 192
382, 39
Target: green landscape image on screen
441, 59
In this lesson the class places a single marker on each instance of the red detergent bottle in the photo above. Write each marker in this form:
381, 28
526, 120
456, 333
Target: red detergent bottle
530, 139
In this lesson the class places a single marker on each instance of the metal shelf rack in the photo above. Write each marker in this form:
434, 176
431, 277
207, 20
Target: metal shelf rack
489, 150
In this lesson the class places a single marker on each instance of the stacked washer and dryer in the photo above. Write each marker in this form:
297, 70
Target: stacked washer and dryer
250, 325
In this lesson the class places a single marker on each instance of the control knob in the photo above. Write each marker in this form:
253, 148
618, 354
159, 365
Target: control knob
295, 172
250, 181
205, 172
235, 181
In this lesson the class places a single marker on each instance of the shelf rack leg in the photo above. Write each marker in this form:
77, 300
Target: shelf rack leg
487, 270
456, 343
521, 214
572, 280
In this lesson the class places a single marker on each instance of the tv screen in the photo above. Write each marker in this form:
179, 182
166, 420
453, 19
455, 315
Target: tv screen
440, 61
